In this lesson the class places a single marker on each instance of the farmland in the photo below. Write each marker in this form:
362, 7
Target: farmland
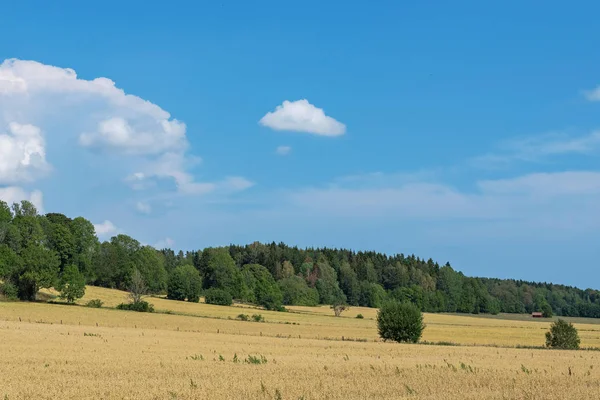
196, 351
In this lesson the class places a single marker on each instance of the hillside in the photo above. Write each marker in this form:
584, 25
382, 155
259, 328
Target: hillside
36, 250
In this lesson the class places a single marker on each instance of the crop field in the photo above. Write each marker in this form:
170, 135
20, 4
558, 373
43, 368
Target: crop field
199, 351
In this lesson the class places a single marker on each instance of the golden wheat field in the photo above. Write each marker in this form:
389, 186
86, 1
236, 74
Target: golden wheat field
198, 351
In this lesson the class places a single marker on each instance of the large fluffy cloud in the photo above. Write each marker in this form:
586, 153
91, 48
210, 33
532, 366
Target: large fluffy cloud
41, 105
301, 116
22, 154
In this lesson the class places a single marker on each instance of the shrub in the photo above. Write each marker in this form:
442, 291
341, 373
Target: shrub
95, 303
9, 291
258, 318
360, 316
140, 306
562, 335
218, 296
243, 317
400, 322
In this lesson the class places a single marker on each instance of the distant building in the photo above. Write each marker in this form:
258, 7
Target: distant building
536, 315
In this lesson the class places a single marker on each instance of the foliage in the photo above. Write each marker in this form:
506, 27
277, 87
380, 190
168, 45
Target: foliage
243, 317
400, 322
360, 316
296, 292
338, 309
546, 311
94, 303
258, 318
139, 306
218, 297
562, 335
9, 291
72, 284
36, 249
265, 290
218, 270
185, 283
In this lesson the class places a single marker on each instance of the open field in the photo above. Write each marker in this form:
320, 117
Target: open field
56, 351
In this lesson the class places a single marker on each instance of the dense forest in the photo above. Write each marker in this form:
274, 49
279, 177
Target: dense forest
52, 250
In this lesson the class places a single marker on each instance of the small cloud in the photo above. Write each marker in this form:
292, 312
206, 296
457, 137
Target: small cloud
301, 116
236, 183
143, 207
164, 243
283, 150
592, 95
105, 228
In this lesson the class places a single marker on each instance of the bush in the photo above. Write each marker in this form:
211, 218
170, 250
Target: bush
243, 317
258, 318
139, 306
218, 296
562, 335
400, 322
95, 303
9, 291
360, 316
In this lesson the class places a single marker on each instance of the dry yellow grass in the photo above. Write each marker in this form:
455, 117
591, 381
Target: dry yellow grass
158, 356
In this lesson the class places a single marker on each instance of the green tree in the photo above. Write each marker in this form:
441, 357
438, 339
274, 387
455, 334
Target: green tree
400, 322
39, 269
86, 246
327, 284
562, 335
148, 261
218, 297
296, 292
219, 271
185, 283
9, 262
546, 310
372, 294
266, 291
72, 284
349, 283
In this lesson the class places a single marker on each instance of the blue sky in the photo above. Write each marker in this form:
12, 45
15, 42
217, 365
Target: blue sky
464, 132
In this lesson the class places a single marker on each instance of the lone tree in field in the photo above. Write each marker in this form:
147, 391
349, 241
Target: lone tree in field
400, 322
72, 284
562, 335
137, 287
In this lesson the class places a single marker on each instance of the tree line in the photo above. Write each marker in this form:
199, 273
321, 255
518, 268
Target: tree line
53, 250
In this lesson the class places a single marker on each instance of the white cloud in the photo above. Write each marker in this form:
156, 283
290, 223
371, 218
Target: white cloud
143, 207
283, 150
164, 243
13, 194
535, 200
545, 185
593, 95
95, 114
22, 154
105, 229
536, 148
301, 116
235, 184
117, 133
